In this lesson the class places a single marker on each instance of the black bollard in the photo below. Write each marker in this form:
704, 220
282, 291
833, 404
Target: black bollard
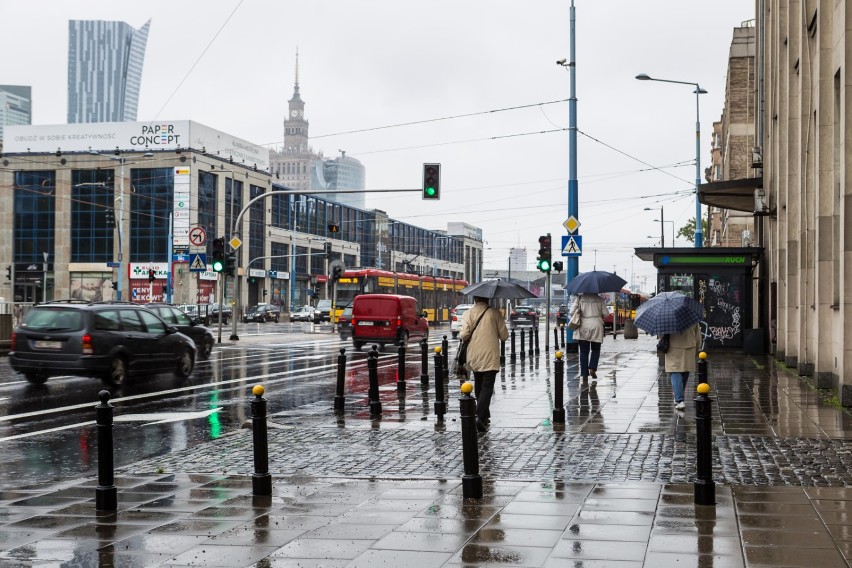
523, 346
502, 352
559, 385
339, 397
512, 346
440, 404
445, 356
531, 349
562, 328
705, 489
106, 494
261, 479
424, 362
471, 480
702, 367
536, 341
373, 372
556, 338
400, 368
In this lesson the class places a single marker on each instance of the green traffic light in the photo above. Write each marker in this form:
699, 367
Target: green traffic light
543, 265
218, 266
430, 191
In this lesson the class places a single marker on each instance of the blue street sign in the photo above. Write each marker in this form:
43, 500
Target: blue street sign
198, 263
113, 265
572, 245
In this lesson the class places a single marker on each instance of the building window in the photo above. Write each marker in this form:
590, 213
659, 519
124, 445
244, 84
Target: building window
208, 207
257, 225
92, 197
35, 214
233, 203
151, 196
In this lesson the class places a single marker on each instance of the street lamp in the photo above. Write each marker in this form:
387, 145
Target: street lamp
662, 234
698, 91
673, 234
120, 219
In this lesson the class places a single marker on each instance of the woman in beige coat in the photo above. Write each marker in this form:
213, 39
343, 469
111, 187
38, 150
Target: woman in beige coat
680, 360
484, 327
591, 333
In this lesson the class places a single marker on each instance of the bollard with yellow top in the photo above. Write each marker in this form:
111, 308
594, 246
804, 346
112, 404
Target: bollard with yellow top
702, 367
261, 480
440, 404
471, 480
559, 386
705, 488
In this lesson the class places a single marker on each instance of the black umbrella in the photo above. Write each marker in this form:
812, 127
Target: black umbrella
595, 282
668, 312
498, 289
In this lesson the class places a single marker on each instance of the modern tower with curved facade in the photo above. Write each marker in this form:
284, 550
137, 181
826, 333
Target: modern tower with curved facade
104, 70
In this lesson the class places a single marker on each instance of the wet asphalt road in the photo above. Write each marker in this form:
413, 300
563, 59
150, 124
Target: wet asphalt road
47, 432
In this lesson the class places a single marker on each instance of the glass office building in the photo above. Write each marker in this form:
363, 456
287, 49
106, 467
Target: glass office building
15, 106
104, 70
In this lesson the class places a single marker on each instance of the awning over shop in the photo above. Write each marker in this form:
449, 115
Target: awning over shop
735, 194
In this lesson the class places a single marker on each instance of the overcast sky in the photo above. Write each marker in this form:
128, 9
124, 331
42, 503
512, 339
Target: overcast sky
231, 64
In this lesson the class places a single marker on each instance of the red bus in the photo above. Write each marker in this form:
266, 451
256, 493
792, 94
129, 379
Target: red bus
435, 294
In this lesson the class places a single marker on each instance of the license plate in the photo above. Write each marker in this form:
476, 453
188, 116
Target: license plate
48, 344
365, 323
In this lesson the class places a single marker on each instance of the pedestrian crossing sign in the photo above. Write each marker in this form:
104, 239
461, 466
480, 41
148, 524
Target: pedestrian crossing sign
572, 245
198, 263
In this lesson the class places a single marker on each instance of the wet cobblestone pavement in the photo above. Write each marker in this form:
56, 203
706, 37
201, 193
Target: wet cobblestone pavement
611, 487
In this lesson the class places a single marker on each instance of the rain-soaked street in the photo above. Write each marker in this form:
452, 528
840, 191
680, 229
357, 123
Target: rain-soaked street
47, 432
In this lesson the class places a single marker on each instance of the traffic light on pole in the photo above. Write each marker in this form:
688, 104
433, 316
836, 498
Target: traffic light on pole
544, 253
231, 264
218, 254
110, 218
431, 181
328, 250
151, 275
558, 266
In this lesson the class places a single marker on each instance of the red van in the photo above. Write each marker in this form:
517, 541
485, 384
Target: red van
387, 319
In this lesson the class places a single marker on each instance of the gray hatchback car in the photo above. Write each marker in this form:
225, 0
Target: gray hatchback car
108, 340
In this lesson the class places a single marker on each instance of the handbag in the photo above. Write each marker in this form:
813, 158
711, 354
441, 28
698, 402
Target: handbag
461, 354
576, 320
663, 344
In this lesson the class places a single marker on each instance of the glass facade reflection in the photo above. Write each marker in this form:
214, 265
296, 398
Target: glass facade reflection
151, 196
35, 215
92, 196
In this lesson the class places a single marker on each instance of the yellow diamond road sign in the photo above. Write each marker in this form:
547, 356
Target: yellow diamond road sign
235, 243
572, 224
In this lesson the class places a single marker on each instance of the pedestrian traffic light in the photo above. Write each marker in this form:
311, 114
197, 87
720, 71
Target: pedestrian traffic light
151, 275
218, 254
327, 250
333, 228
544, 253
9, 272
231, 264
114, 285
558, 266
264, 292
431, 181
109, 219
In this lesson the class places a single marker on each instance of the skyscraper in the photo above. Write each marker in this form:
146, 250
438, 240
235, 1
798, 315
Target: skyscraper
15, 106
104, 70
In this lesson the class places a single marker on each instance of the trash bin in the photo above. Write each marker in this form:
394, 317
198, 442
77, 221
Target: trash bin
630, 330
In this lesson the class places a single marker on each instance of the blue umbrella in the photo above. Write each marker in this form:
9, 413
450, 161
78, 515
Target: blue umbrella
595, 282
668, 312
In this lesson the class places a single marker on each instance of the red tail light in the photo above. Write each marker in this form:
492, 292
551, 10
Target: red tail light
455, 318
352, 322
86, 344
12, 347
398, 322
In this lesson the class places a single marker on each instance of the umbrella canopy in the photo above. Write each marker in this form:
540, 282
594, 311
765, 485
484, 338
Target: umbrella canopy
668, 312
498, 289
595, 282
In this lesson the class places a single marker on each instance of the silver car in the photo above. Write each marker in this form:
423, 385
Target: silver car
456, 318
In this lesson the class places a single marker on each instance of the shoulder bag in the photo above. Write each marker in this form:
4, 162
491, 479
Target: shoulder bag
576, 320
461, 354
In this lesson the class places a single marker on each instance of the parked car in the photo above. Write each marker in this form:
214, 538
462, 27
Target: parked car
302, 313
209, 314
387, 318
262, 313
189, 326
322, 311
523, 316
562, 315
98, 339
344, 322
456, 318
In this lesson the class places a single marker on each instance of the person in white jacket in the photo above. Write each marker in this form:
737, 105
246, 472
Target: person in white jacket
484, 327
591, 332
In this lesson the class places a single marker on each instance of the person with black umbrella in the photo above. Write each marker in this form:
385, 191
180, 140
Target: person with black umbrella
590, 334
484, 327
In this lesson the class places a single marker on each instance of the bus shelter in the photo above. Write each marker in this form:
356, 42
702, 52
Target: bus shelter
724, 281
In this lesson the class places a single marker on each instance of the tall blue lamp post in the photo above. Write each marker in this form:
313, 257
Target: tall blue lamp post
698, 91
